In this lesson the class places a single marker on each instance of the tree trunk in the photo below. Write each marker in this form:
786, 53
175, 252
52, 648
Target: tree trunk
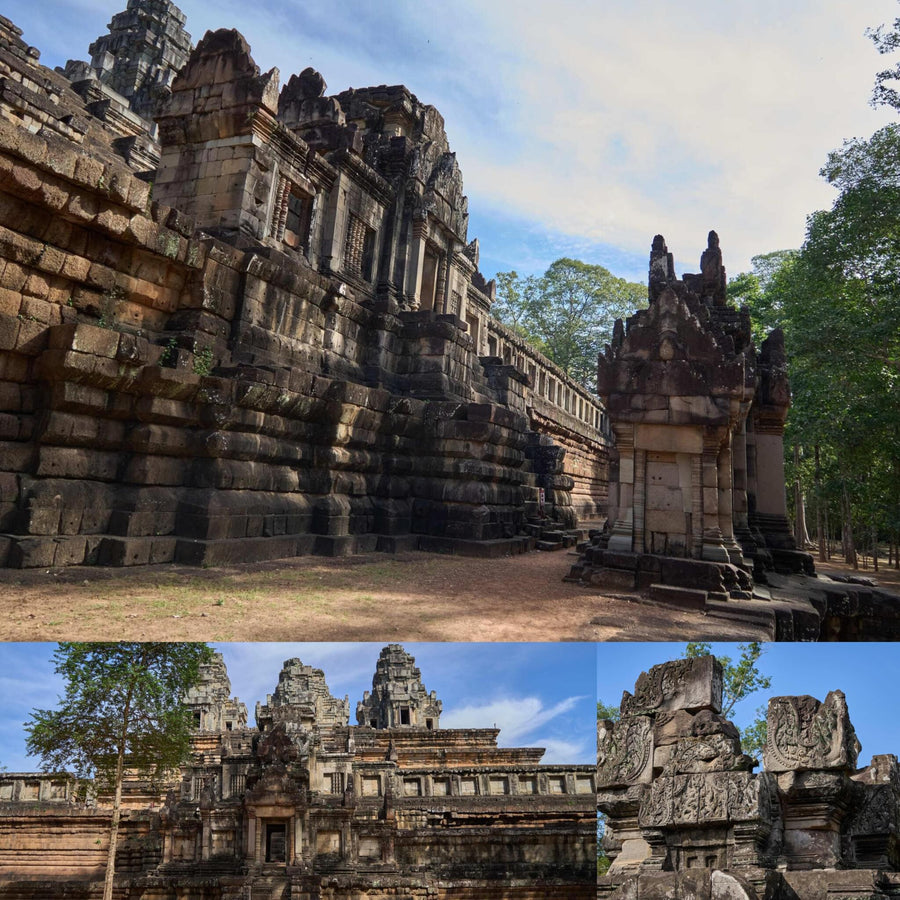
114, 826
875, 547
850, 556
820, 519
117, 801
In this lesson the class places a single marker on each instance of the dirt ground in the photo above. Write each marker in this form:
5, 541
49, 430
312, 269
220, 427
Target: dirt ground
410, 596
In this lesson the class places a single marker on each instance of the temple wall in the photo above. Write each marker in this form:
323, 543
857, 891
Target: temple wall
121, 447
686, 815
306, 802
563, 410
225, 380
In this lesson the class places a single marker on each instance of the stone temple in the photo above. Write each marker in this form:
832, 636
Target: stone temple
244, 320
286, 350
307, 806
686, 816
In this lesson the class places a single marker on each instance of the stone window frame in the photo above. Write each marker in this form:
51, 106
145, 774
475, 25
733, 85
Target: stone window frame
335, 782
360, 243
445, 781
282, 213
366, 781
529, 781
237, 784
554, 780
467, 779
494, 781
413, 781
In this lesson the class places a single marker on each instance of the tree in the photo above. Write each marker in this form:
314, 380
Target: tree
886, 41
755, 289
739, 681
607, 712
611, 713
122, 709
838, 302
567, 313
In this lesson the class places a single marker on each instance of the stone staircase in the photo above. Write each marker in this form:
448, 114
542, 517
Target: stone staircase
271, 887
549, 535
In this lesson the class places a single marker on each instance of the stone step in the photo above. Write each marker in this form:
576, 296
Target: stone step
689, 598
549, 545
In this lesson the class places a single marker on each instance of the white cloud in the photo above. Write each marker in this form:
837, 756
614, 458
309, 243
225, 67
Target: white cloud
516, 717
560, 752
678, 118
597, 122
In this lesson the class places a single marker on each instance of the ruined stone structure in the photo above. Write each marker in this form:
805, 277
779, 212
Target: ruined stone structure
288, 350
697, 498
688, 818
307, 806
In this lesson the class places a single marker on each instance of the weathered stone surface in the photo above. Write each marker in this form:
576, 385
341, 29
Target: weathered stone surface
806, 734
308, 805
691, 684
699, 823
260, 337
624, 752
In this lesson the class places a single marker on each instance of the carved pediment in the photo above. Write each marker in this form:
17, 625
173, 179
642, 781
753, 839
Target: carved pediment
803, 733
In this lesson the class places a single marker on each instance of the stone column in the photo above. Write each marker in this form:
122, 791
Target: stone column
251, 853
298, 839
612, 496
415, 262
620, 538
441, 292
713, 544
640, 499
462, 281
726, 507
770, 492
697, 505
741, 526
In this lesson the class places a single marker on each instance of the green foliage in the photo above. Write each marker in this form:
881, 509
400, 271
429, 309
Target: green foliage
203, 360
607, 712
118, 696
567, 313
612, 713
170, 351
739, 680
122, 708
757, 290
838, 303
886, 41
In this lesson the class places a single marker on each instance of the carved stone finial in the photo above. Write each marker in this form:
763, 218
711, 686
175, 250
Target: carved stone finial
311, 84
712, 272
662, 267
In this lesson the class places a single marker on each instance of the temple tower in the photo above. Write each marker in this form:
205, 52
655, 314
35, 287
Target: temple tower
398, 697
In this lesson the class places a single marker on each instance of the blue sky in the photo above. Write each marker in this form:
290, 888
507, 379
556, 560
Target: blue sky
583, 129
869, 675
537, 694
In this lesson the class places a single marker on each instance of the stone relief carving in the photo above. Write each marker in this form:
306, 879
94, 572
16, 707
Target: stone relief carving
623, 752
681, 684
806, 734
704, 798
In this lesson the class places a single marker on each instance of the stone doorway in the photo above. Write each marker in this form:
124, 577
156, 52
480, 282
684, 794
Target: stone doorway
276, 842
